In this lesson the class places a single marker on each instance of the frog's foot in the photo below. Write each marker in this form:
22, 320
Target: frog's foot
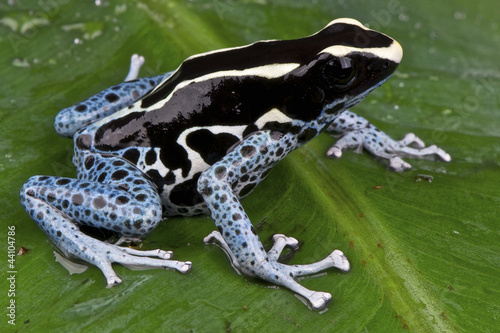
137, 240
280, 242
357, 133
284, 274
103, 255
136, 62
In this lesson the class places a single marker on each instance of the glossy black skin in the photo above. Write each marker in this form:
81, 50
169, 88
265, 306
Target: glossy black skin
302, 94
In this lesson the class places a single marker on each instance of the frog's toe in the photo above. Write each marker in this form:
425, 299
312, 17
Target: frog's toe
319, 300
287, 241
334, 152
151, 253
111, 278
185, 267
141, 262
398, 165
412, 146
280, 242
104, 255
340, 261
136, 62
113, 281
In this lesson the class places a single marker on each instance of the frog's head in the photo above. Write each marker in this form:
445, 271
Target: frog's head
346, 62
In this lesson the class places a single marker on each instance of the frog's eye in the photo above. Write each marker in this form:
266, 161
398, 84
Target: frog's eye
339, 72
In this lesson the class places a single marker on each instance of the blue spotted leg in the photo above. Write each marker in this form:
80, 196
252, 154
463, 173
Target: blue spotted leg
68, 121
219, 185
357, 133
109, 193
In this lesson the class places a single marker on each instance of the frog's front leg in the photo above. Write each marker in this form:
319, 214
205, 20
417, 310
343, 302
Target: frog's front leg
227, 180
69, 120
357, 133
110, 193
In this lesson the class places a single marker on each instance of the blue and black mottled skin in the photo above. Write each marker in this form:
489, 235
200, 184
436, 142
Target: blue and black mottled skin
139, 159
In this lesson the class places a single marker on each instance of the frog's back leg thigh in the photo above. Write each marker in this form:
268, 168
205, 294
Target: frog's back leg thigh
111, 194
219, 186
68, 121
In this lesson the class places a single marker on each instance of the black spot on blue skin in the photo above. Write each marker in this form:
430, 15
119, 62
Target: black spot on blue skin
51, 197
220, 172
307, 134
253, 230
336, 108
247, 189
111, 97
99, 202
89, 162
81, 108
140, 197
248, 151
102, 177
120, 174
77, 199
122, 200
62, 181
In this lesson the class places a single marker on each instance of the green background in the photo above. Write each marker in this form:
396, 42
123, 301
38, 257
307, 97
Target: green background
425, 256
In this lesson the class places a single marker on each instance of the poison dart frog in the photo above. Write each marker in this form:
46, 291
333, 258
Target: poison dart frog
198, 139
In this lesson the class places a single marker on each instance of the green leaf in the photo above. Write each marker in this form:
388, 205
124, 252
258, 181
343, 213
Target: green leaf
424, 254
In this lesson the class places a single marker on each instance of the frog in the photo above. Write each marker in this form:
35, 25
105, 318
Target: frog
199, 139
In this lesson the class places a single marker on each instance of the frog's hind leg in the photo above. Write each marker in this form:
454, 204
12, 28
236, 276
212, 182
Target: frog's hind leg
219, 186
69, 120
111, 194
